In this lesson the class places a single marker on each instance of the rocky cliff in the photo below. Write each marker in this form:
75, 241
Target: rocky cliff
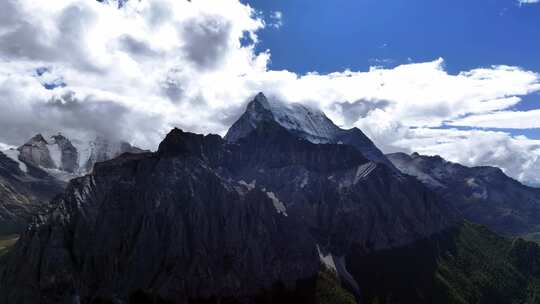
31, 175
23, 191
305, 122
164, 223
66, 159
207, 218
36, 152
483, 195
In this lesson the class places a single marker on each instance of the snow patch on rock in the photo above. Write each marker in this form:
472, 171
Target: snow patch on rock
60, 174
327, 259
280, 207
363, 171
250, 186
14, 155
301, 118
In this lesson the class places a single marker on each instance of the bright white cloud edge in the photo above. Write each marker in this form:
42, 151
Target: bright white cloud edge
528, 1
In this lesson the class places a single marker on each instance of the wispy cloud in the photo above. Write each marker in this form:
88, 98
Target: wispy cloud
276, 19
522, 2
502, 120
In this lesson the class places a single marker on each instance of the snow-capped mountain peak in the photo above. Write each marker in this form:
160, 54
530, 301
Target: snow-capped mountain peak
306, 122
312, 124
64, 159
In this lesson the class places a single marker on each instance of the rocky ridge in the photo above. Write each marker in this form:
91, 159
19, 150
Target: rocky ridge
205, 217
23, 192
303, 121
32, 174
484, 195
66, 159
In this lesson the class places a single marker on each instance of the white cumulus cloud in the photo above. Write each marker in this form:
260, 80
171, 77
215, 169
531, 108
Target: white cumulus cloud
88, 68
502, 119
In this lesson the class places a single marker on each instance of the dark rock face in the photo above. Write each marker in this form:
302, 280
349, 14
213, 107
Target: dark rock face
165, 223
35, 152
337, 191
483, 195
22, 194
206, 217
69, 154
307, 123
26, 183
71, 160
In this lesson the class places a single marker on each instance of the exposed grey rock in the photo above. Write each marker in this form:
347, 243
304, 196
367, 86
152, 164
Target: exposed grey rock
206, 217
68, 159
337, 191
308, 123
37, 171
102, 149
22, 194
36, 152
166, 223
484, 195
69, 154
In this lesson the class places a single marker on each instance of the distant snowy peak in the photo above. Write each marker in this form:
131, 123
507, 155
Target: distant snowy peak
484, 195
102, 149
36, 152
65, 159
306, 122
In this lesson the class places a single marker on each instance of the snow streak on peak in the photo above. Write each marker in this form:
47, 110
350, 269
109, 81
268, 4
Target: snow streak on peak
310, 123
303, 119
306, 122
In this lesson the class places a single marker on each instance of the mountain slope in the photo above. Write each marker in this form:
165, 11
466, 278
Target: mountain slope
267, 218
484, 195
186, 211
34, 173
66, 159
310, 124
466, 264
23, 191
163, 223
337, 190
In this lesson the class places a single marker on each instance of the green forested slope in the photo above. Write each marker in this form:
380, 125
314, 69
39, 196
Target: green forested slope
468, 264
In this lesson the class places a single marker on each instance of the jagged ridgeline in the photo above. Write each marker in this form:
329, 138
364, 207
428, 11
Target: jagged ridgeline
484, 195
24, 190
287, 208
32, 174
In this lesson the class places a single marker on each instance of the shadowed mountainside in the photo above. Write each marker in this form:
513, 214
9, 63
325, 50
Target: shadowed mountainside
484, 195
268, 217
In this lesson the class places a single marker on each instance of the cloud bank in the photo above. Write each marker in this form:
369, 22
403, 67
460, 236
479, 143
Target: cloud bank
133, 70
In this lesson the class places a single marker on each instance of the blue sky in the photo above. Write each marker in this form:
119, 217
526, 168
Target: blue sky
329, 36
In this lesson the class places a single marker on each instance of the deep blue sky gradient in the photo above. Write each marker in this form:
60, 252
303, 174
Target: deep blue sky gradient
330, 36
